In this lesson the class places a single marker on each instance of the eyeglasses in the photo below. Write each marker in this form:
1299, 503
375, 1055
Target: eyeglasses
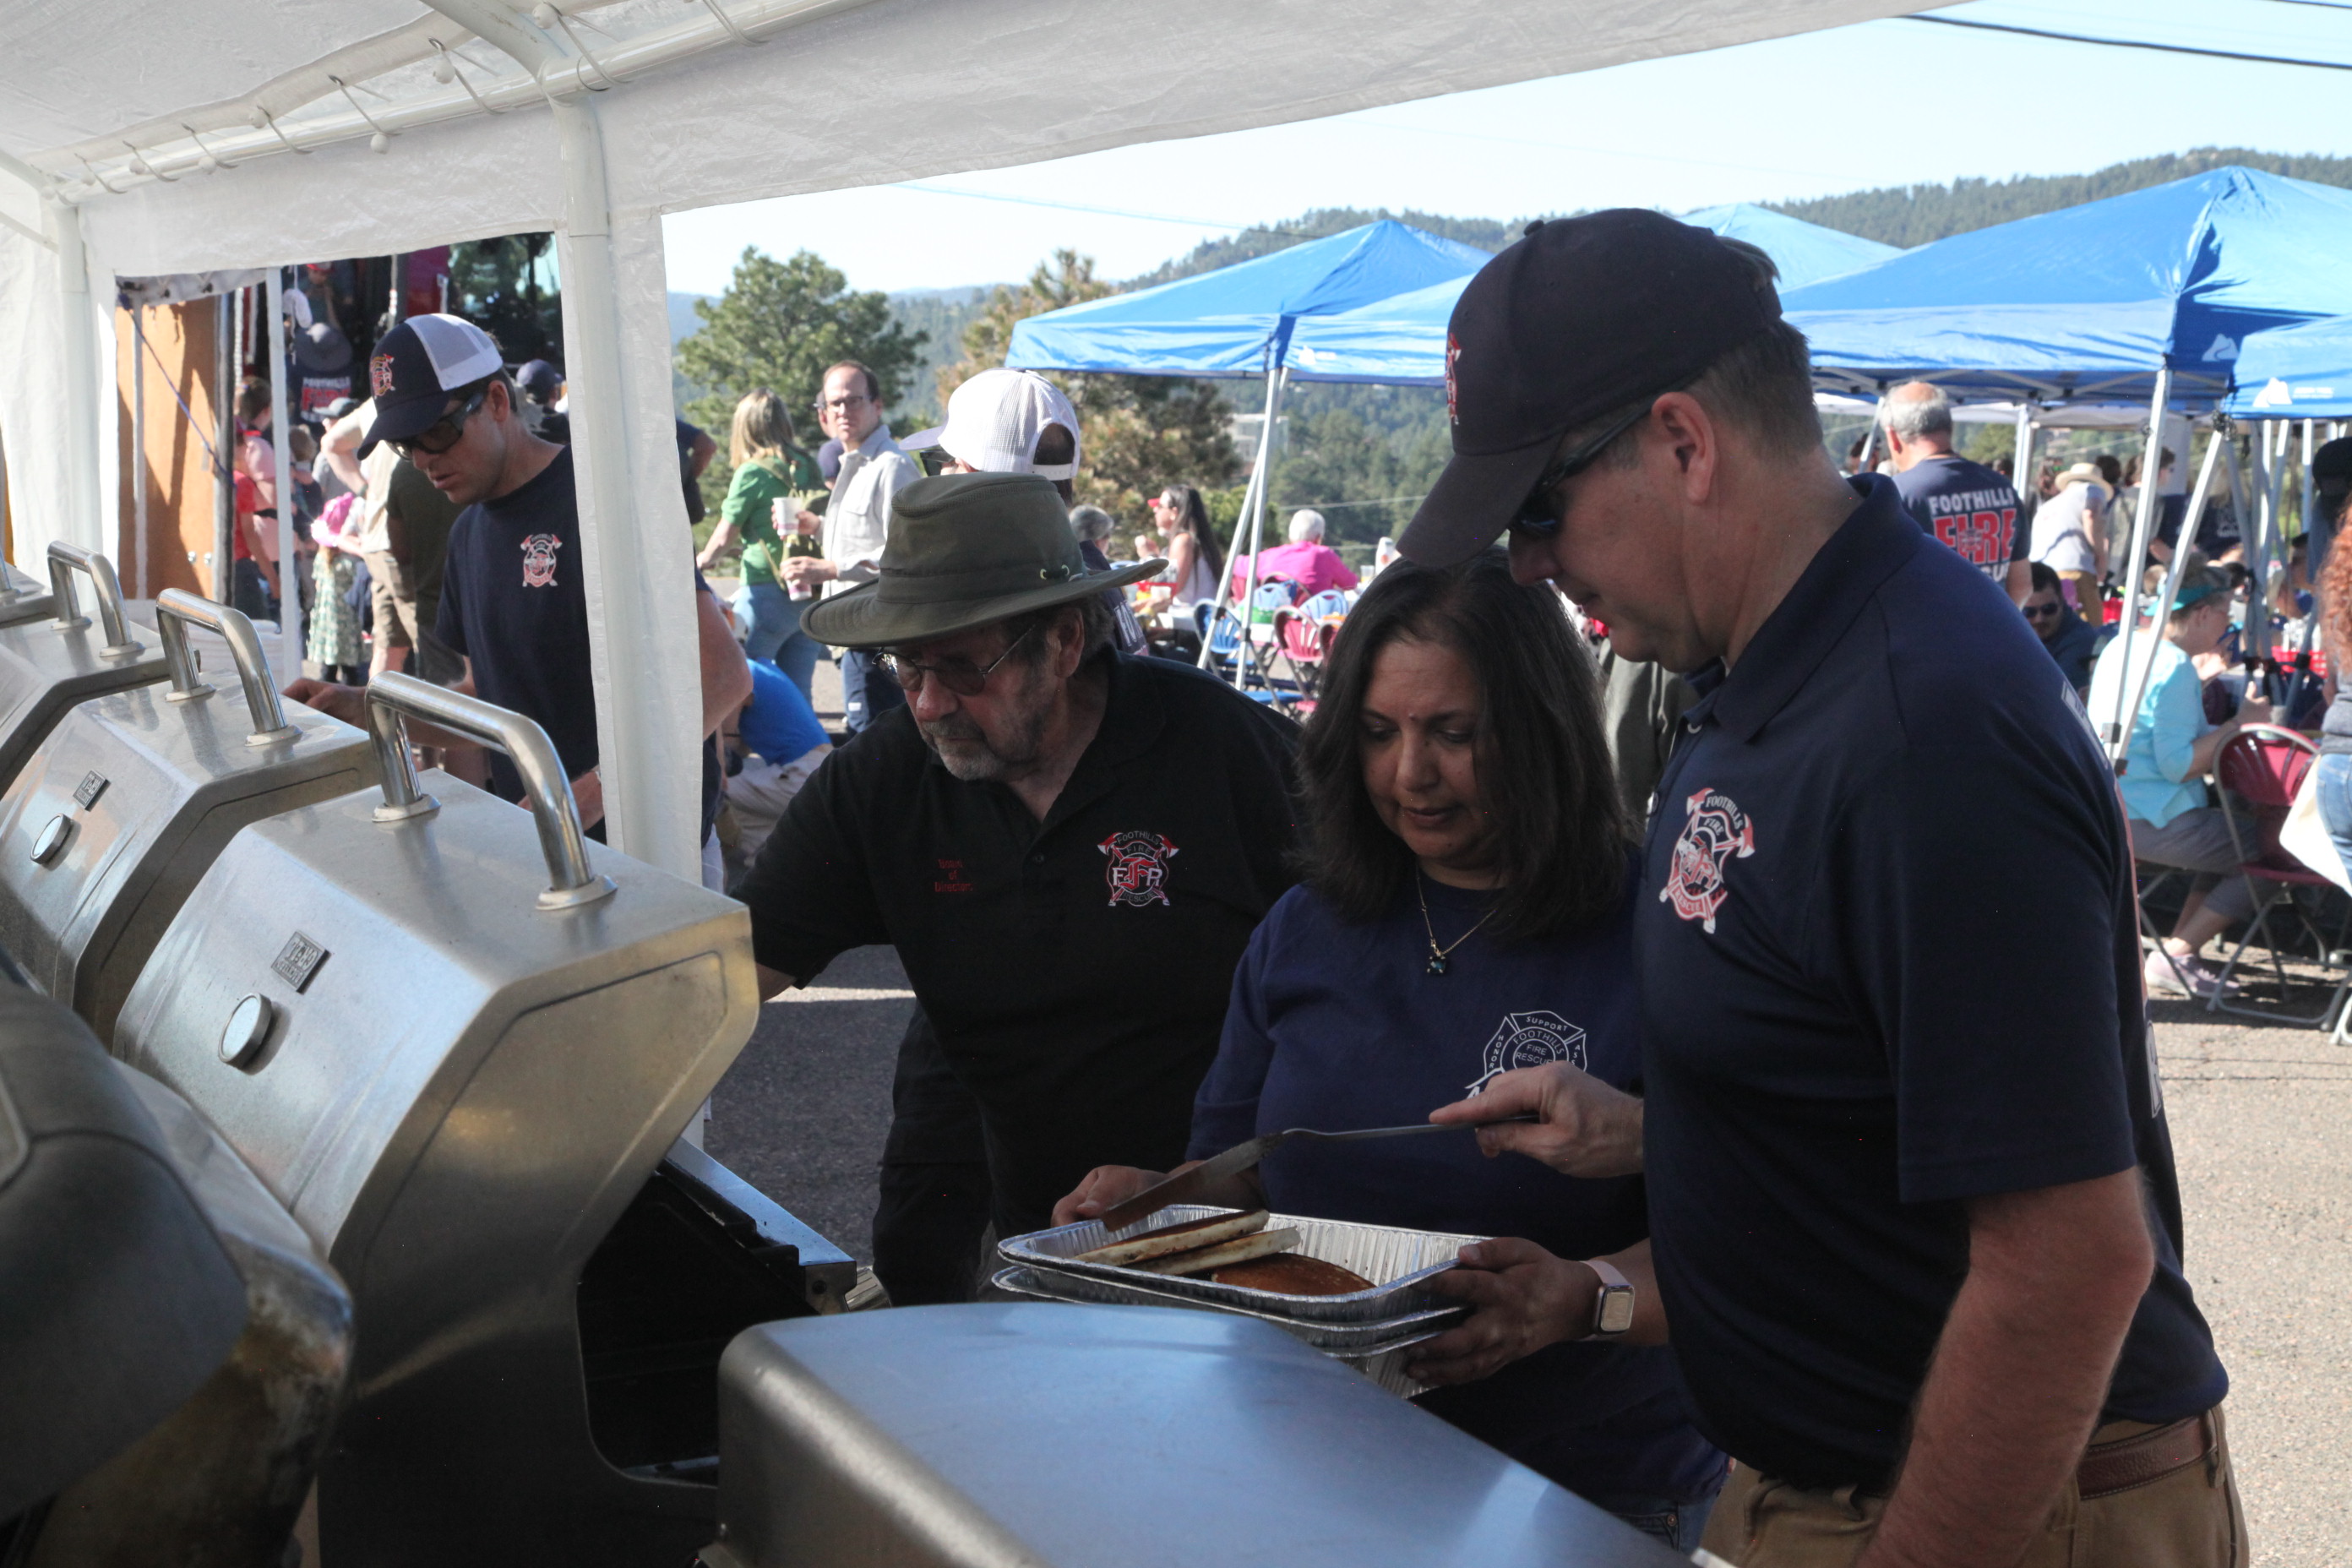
2036, 611
1538, 518
443, 433
960, 676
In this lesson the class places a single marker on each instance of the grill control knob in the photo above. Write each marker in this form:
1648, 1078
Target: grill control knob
248, 1031
52, 841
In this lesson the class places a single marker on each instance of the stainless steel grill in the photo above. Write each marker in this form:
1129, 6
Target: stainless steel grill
127, 802
48, 666
457, 1041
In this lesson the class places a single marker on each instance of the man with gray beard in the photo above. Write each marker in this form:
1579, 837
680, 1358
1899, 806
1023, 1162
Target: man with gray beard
1069, 847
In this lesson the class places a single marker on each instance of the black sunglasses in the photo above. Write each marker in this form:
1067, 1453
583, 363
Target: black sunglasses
2035, 612
443, 433
1537, 517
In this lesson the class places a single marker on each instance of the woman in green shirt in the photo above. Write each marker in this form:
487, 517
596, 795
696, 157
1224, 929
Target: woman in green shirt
769, 468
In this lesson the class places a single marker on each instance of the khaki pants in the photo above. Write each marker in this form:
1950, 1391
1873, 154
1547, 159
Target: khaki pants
395, 607
2190, 1519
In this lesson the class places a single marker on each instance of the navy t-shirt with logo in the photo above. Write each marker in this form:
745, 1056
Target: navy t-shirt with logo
1336, 1024
1076, 970
1968, 507
512, 601
1889, 963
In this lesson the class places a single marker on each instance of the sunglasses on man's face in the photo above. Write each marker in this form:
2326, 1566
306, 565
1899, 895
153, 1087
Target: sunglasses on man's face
443, 433
960, 676
2038, 612
1538, 518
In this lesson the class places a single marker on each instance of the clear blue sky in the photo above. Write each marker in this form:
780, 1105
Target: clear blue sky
1886, 102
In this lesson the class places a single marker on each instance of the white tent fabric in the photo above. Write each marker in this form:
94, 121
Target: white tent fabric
166, 138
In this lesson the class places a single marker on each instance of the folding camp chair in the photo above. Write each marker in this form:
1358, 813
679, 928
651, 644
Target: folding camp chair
1221, 630
1303, 638
2259, 772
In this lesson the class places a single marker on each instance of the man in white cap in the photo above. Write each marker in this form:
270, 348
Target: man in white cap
1307, 561
513, 603
1016, 422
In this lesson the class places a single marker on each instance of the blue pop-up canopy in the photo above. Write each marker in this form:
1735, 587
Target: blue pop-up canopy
2092, 301
1228, 322
1401, 341
2301, 372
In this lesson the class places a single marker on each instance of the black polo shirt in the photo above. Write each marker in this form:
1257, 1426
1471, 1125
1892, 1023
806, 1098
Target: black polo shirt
1077, 970
1888, 963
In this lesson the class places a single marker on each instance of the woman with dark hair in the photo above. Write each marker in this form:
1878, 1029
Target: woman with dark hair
1465, 914
1195, 560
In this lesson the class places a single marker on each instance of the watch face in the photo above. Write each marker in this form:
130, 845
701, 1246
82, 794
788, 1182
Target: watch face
1616, 1309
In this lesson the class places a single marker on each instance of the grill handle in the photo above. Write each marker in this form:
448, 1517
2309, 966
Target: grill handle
391, 699
65, 560
174, 608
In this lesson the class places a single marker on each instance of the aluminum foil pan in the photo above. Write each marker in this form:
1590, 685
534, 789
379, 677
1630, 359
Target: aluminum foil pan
1399, 1263
1056, 1285
1382, 1357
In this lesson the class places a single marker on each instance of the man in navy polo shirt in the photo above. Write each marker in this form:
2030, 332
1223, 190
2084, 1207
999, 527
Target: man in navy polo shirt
1914, 1215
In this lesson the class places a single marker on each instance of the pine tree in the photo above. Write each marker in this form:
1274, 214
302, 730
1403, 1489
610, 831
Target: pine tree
1138, 433
779, 325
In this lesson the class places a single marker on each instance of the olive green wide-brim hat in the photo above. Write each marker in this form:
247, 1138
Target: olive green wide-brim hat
965, 550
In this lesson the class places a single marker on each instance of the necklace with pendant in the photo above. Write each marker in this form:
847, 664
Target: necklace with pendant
1439, 959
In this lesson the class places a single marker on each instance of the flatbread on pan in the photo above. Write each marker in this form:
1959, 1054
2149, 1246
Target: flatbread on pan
1292, 1274
1202, 1260
1177, 1238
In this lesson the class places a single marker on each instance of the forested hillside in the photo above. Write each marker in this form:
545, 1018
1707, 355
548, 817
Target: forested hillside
1914, 215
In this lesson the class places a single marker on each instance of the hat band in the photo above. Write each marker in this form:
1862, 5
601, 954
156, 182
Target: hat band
912, 585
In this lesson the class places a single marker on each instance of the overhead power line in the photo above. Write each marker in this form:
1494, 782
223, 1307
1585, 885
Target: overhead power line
2138, 43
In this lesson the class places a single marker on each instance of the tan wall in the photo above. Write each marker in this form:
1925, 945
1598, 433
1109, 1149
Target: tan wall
179, 474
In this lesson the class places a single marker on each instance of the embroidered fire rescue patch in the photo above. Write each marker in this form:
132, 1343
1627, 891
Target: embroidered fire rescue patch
539, 560
1715, 831
1529, 1040
1138, 868
380, 374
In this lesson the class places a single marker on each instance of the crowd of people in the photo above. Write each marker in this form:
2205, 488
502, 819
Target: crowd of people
1664, 847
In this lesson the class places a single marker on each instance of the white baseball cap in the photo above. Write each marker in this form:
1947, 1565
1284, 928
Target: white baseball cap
995, 419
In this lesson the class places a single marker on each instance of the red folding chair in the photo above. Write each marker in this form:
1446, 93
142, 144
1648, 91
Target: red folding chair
2260, 771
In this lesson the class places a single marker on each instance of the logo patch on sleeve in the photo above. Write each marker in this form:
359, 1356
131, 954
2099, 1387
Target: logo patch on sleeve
1716, 830
1138, 868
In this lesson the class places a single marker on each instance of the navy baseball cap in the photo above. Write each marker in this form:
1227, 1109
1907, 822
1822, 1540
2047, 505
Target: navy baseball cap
416, 367
2331, 469
1578, 319
540, 380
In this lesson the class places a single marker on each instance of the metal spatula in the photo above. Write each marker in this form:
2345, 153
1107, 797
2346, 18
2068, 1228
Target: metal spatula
1241, 1157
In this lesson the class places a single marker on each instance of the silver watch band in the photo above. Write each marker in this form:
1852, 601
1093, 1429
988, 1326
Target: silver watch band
1612, 1304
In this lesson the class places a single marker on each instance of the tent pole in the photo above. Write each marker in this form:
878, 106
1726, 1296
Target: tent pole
1257, 517
139, 451
80, 524
2022, 460
1241, 524
1868, 460
2253, 645
2133, 692
638, 565
289, 590
2114, 728
224, 443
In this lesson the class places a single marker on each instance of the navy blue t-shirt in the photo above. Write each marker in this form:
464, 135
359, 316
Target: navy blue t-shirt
1889, 963
513, 602
1335, 1026
1968, 507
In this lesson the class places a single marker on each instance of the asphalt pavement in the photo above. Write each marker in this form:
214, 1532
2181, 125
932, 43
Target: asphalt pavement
2262, 1119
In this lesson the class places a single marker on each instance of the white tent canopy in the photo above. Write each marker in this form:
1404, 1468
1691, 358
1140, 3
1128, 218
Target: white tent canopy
148, 137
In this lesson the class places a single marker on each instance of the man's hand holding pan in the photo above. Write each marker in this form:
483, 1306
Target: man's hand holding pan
1585, 1128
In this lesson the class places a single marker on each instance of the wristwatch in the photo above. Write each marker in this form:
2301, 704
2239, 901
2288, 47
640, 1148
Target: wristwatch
1612, 1304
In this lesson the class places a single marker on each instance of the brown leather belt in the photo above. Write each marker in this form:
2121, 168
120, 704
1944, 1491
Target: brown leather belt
2118, 1466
